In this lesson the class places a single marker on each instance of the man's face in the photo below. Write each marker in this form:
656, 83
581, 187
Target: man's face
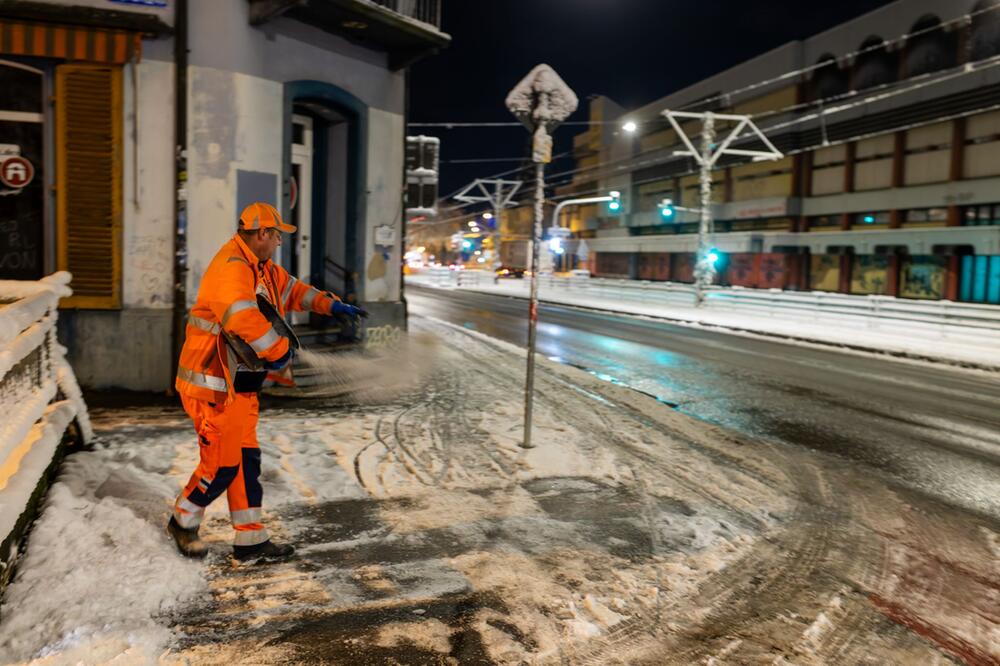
270, 240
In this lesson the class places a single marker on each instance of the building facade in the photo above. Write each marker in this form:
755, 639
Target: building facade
301, 104
890, 184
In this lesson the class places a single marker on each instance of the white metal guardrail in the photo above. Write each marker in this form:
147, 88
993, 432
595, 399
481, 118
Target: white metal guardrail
927, 318
40, 401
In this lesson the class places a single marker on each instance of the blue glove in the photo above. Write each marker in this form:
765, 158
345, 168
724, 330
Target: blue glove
340, 307
280, 363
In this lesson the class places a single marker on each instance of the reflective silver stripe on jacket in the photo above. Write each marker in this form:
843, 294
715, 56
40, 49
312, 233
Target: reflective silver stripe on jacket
204, 324
245, 516
307, 300
261, 344
238, 306
202, 380
288, 290
250, 537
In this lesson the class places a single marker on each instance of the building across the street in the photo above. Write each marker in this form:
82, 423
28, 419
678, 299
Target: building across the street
890, 184
296, 103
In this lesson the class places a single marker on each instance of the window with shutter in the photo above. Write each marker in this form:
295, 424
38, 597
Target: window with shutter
88, 142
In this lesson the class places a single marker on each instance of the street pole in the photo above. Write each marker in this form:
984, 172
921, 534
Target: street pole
529, 383
497, 257
706, 157
503, 192
704, 270
541, 101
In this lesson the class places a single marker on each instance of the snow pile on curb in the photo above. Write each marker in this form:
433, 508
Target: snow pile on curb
33, 370
100, 575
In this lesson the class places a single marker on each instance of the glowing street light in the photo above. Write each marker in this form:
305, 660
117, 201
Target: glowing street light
630, 127
487, 216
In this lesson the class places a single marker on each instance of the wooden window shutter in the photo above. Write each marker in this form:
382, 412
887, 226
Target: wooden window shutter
89, 183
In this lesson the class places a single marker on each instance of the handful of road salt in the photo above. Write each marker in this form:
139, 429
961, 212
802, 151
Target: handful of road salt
381, 375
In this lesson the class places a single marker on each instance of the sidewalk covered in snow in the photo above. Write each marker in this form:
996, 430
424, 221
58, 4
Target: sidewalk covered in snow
630, 534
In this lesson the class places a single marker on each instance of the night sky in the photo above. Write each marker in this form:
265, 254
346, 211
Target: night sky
633, 51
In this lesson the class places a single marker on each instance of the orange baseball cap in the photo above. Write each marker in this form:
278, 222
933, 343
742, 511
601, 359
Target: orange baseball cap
260, 215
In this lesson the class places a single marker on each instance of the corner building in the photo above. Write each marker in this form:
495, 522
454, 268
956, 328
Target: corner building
300, 104
890, 182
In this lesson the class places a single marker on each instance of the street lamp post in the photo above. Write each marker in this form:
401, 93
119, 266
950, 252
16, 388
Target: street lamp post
576, 202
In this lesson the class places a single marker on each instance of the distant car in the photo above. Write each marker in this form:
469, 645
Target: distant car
510, 271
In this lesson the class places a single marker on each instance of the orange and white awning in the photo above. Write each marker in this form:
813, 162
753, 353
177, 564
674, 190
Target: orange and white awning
76, 43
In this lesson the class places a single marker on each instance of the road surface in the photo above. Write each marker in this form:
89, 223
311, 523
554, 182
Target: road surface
932, 429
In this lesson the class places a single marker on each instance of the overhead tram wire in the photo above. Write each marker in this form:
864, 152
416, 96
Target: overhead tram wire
602, 169
791, 74
728, 95
986, 63
885, 43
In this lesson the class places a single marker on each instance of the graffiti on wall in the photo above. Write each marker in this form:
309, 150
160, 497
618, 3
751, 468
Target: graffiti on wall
923, 277
383, 337
824, 272
150, 270
870, 274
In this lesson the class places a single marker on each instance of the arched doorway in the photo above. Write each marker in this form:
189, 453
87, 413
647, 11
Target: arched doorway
326, 138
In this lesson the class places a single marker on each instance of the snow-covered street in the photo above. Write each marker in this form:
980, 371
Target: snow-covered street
631, 534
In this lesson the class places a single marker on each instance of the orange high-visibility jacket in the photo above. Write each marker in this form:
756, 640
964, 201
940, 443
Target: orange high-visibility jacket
227, 299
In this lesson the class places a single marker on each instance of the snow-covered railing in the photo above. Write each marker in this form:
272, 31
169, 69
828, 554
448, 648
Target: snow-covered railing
40, 401
928, 319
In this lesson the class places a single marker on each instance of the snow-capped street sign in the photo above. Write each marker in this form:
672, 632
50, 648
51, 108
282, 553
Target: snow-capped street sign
541, 101
542, 98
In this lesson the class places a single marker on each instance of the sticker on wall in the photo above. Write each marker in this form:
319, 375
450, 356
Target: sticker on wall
293, 193
16, 173
385, 235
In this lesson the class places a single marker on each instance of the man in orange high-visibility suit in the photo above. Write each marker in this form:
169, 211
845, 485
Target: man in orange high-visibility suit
219, 392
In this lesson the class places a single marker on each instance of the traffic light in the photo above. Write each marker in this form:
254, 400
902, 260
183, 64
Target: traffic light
667, 210
466, 244
712, 257
615, 205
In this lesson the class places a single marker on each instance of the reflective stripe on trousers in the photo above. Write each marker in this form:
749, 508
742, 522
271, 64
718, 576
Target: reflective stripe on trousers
246, 516
187, 514
251, 537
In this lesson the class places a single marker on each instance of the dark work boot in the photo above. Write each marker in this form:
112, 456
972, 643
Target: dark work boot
187, 540
263, 552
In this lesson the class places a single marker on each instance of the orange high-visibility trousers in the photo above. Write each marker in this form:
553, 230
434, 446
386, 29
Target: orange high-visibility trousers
230, 461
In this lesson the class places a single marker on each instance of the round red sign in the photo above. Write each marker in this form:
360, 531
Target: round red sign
16, 172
